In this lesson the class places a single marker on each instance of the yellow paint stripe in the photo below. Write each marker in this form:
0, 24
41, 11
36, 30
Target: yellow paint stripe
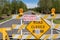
21, 27
46, 16
47, 36
57, 25
29, 36
55, 36
14, 25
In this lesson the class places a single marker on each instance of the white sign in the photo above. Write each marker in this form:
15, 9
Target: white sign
30, 18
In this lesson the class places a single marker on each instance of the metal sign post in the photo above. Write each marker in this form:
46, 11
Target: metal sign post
52, 29
21, 30
53, 14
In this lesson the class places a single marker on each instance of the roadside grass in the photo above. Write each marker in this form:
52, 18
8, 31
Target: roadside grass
5, 19
56, 21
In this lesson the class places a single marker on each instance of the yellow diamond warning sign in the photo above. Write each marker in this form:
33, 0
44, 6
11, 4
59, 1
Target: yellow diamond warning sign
38, 28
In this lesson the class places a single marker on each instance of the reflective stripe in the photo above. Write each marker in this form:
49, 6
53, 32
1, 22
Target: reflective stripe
17, 17
21, 27
16, 36
46, 37
46, 16
54, 16
29, 36
55, 36
14, 25
57, 26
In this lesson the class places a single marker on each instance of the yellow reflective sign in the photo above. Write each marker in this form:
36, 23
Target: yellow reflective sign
38, 28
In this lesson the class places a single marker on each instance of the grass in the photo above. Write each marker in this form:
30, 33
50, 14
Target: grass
5, 19
56, 21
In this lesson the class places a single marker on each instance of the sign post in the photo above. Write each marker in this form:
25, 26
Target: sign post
52, 14
21, 30
38, 28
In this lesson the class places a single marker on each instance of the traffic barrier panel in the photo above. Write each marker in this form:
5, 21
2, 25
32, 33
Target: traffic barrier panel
45, 17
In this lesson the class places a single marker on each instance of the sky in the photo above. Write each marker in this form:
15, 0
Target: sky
31, 3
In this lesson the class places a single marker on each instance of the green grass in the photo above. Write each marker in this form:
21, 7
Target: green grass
57, 21
5, 19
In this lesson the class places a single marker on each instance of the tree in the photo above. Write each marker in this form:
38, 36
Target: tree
56, 5
48, 4
17, 4
45, 4
11, 6
22, 5
3, 7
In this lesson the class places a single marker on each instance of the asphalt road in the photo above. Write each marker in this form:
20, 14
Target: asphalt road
10, 22
18, 21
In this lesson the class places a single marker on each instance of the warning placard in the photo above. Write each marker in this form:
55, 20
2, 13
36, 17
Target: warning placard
38, 28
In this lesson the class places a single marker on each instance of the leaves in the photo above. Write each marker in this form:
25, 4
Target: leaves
48, 4
11, 6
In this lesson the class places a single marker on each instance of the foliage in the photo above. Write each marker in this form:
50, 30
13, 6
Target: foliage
56, 4
11, 6
48, 4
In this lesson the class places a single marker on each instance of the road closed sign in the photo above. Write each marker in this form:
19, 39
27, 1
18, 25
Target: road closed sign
38, 28
30, 18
